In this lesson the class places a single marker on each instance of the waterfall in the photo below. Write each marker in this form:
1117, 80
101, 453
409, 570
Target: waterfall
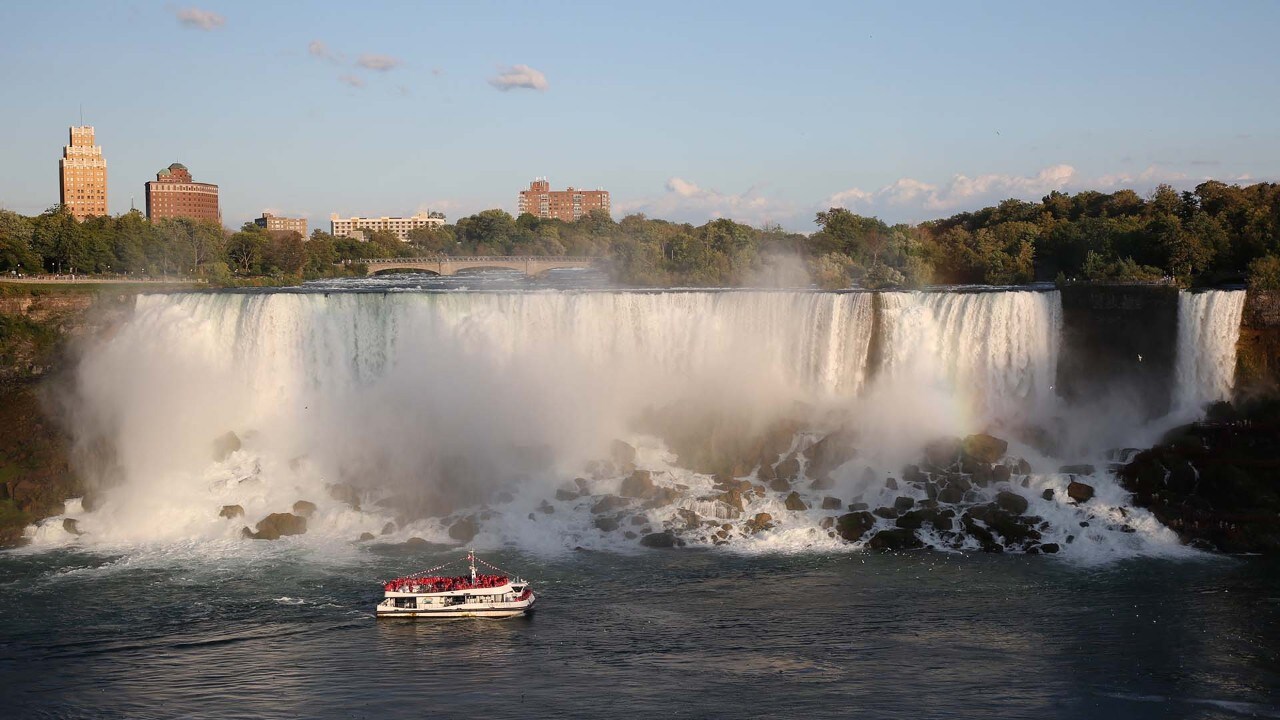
1208, 329
999, 350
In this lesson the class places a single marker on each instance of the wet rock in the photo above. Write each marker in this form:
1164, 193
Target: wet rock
609, 503
621, 453
630, 535
912, 474
984, 448
662, 497
831, 503
1050, 548
891, 484
858, 506
606, 524
366, 536
887, 513
416, 542
344, 493
546, 508
564, 495
1012, 502
1047, 494
277, 525
231, 511
224, 445
690, 518
388, 528
1022, 467
1080, 492
638, 485
765, 472
903, 503
931, 490
762, 521
822, 483
788, 469
1182, 477
854, 525
304, 508
72, 526
464, 529
1001, 474
986, 540
912, 520
1077, 470
943, 453
895, 539
583, 486
830, 453
952, 494
779, 484
795, 502
661, 540
980, 473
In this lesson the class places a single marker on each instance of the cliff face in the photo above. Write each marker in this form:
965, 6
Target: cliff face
37, 328
1119, 338
1258, 351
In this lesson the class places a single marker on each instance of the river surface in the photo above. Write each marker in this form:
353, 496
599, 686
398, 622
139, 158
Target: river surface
687, 633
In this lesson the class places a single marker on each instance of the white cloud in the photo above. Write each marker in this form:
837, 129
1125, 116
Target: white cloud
519, 76
920, 200
352, 80
318, 49
200, 19
1151, 176
686, 201
381, 63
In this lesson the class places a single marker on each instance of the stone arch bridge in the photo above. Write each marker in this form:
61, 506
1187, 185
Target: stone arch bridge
450, 264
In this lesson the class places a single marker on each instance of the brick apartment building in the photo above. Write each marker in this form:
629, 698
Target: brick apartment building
173, 194
567, 205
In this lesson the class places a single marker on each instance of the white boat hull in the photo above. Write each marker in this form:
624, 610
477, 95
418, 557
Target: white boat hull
497, 611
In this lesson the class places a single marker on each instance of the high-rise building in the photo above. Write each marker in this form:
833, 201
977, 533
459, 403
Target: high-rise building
567, 205
356, 227
82, 175
283, 224
173, 194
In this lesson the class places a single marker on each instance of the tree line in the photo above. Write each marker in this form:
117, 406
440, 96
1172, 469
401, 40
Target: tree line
1214, 234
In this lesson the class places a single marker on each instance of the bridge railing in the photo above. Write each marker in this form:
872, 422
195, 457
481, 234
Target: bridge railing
453, 259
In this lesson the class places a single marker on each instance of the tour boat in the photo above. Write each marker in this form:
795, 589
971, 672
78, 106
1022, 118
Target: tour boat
428, 595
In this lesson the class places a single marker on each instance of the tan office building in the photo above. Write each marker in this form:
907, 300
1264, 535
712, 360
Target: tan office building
357, 227
82, 175
567, 205
282, 224
173, 194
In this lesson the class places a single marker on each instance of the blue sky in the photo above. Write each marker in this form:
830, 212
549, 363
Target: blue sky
764, 112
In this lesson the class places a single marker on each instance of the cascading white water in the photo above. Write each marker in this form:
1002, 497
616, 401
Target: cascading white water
1208, 330
459, 395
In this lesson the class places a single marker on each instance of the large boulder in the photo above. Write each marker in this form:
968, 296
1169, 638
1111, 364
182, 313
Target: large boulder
984, 448
638, 485
943, 452
277, 525
830, 453
72, 526
622, 454
661, 540
854, 525
609, 503
1079, 492
1011, 502
304, 508
788, 469
224, 445
231, 512
795, 502
464, 529
831, 503
344, 493
761, 521
606, 524
895, 539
